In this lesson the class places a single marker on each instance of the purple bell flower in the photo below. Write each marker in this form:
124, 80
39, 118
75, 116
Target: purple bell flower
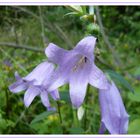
36, 83
113, 113
77, 68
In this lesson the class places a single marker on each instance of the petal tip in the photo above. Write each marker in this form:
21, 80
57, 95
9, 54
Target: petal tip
51, 108
26, 103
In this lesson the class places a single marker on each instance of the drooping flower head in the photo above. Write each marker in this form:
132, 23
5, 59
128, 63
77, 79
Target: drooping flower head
113, 113
36, 83
77, 68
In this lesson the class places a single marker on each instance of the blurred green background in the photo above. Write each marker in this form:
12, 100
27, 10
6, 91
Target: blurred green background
24, 34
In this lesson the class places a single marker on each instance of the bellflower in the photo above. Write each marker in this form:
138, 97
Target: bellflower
114, 115
77, 68
36, 83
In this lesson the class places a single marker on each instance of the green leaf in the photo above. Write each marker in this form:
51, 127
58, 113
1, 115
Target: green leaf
136, 96
137, 71
76, 8
134, 127
84, 9
42, 116
64, 95
70, 13
76, 130
117, 77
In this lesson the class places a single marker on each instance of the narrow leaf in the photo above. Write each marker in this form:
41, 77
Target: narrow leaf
76, 8
42, 116
84, 10
70, 13
76, 130
64, 95
120, 79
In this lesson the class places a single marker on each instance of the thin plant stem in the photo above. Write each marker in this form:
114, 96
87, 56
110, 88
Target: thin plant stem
7, 102
105, 38
60, 116
75, 119
26, 11
42, 26
20, 117
59, 111
13, 45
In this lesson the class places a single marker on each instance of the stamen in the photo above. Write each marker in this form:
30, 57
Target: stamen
80, 63
24, 80
85, 59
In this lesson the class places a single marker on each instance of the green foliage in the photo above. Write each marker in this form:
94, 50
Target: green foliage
134, 127
117, 77
135, 97
64, 96
77, 9
93, 29
76, 130
42, 116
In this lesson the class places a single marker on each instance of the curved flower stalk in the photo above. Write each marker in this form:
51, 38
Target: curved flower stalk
114, 115
77, 68
36, 83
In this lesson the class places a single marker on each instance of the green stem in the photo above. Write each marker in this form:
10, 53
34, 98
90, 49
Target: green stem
42, 26
60, 116
7, 102
75, 119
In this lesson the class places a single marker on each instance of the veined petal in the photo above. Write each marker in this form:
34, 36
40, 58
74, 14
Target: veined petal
78, 85
97, 78
62, 73
59, 78
45, 99
55, 53
86, 47
114, 115
102, 128
42, 72
30, 94
55, 94
18, 86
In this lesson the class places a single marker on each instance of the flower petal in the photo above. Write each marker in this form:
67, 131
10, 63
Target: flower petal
55, 53
62, 73
102, 128
55, 94
59, 78
86, 47
18, 86
30, 94
45, 99
42, 72
98, 79
78, 85
114, 115
17, 76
